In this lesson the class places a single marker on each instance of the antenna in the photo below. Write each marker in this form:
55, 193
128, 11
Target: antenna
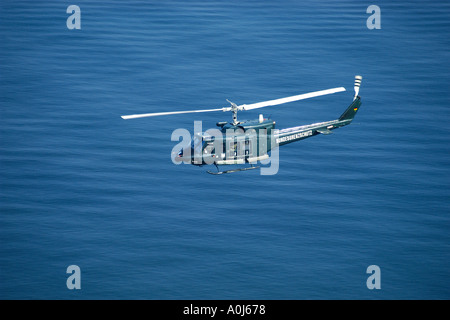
358, 80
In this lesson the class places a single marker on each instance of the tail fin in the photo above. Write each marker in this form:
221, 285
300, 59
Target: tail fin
350, 113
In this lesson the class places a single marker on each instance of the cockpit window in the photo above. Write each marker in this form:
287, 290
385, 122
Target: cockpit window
196, 144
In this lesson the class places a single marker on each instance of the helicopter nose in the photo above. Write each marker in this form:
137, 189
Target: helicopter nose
178, 158
181, 157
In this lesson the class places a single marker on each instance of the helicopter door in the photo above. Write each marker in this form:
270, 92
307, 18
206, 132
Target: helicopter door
241, 147
248, 148
231, 148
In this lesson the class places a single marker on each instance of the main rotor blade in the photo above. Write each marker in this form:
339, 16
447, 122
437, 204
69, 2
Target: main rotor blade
290, 99
134, 116
244, 106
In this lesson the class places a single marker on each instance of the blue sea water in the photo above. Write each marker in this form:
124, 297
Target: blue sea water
80, 186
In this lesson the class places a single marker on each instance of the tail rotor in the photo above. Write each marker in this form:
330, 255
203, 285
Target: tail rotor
358, 80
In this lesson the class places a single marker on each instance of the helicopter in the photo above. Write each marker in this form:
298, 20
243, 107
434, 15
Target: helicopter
250, 141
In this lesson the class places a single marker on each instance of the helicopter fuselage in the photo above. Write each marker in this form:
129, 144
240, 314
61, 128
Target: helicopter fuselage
251, 141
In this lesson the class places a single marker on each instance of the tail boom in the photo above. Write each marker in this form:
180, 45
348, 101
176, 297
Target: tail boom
293, 134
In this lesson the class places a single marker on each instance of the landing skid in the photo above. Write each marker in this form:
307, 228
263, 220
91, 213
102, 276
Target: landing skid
231, 171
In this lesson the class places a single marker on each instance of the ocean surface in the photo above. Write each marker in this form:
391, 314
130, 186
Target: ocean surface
81, 186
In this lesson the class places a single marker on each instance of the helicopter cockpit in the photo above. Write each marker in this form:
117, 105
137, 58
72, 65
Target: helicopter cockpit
196, 144
200, 143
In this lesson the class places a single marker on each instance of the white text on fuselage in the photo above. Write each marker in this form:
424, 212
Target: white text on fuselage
294, 136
